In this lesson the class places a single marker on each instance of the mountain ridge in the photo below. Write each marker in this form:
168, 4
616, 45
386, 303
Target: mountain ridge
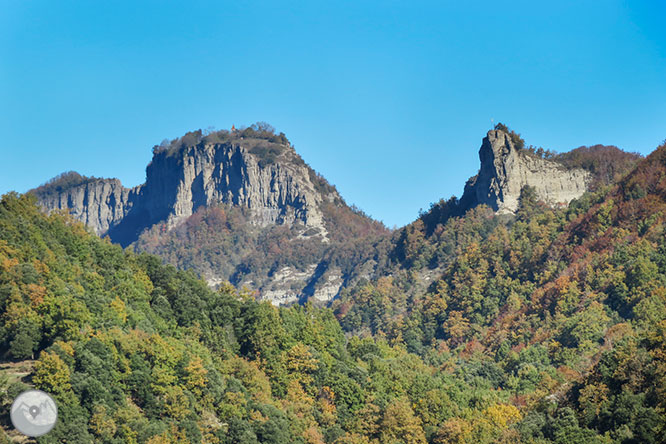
239, 206
594, 167
242, 206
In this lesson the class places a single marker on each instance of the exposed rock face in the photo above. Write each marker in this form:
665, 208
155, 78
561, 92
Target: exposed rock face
100, 204
279, 291
505, 170
177, 183
279, 193
268, 180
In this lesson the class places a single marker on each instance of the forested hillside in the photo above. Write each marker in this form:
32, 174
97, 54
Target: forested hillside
546, 327
563, 309
135, 351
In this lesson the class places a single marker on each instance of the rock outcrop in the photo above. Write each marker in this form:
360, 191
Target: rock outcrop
99, 203
276, 193
180, 181
506, 169
286, 209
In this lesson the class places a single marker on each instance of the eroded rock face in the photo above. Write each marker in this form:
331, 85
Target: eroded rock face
100, 204
505, 170
177, 183
276, 189
276, 193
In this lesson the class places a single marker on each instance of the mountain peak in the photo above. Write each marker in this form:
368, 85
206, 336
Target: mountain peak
239, 206
506, 167
251, 167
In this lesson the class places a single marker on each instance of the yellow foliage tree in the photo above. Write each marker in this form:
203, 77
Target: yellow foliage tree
101, 424
52, 375
300, 364
326, 405
195, 379
454, 431
176, 404
400, 425
502, 415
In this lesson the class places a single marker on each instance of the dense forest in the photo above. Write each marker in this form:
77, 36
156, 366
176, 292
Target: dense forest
546, 327
561, 310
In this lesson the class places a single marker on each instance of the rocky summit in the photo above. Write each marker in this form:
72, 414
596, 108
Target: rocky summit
179, 181
506, 169
239, 206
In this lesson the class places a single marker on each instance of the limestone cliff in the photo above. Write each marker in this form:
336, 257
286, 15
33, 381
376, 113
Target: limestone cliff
506, 169
180, 181
238, 206
277, 193
98, 203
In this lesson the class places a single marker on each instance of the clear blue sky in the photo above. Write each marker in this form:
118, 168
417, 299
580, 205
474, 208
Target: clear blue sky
387, 99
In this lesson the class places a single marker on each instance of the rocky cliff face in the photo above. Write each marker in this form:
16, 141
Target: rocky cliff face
180, 181
279, 193
287, 245
100, 203
506, 169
